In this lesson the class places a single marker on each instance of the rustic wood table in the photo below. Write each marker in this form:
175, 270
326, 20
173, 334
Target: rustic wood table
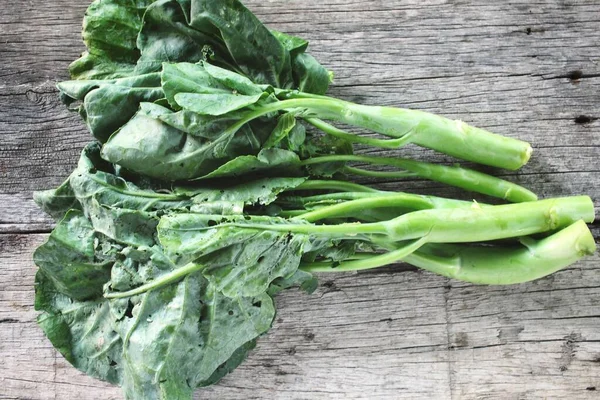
527, 69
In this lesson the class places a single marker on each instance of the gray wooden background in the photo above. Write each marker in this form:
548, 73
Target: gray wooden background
528, 69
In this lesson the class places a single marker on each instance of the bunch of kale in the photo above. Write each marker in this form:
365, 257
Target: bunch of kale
204, 195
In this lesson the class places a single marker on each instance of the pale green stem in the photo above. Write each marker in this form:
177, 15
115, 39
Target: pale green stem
375, 261
163, 280
380, 174
456, 176
484, 265
352, 138
333, 185
452, 225
451, 137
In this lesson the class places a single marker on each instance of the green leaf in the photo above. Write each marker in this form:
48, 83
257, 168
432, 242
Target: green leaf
310, 76
56, 202
188, 78
130, 227
192, 330
256, 51
94, 180
238, 260
163, 343
93, 184
179, 335
293, 44
302, 279
234, 361
146, 142
204, 126
82, 331
207, 89
110, 29
166, 36
68, 258
232, 80
107, 105
285, 124
275, 161
214, 104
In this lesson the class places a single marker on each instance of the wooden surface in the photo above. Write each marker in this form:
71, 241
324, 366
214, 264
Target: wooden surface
529, 69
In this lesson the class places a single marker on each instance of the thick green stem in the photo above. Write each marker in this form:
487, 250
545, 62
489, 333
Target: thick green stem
448, 136
404, 200
477, 224
484, 265
456, 176
451, 137
507, 266
454, 225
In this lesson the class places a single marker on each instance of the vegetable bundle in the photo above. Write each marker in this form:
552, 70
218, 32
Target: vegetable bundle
204, 195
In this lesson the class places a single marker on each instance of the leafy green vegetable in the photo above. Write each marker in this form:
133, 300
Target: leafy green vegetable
199, 203
159, 345
69, 258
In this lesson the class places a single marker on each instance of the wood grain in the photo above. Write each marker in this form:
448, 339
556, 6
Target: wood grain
527, 69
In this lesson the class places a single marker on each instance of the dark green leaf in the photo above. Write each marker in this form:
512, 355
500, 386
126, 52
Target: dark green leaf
82, 331
304, 280
107, 105
293, 44
234, 361
310, 76
146, 142
232, 80
238, 260
214, 104
56, 202
256, 51
277, 161
163, 343
110, 29
69, 258
166, 36
285, 124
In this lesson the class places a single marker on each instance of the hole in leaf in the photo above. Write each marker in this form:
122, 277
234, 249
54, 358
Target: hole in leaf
212, 223
257, 304
260, 259
129, 310
230, 312
112, 363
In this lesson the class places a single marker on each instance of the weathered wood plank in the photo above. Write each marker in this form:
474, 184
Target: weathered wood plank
369, 335
528, 69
